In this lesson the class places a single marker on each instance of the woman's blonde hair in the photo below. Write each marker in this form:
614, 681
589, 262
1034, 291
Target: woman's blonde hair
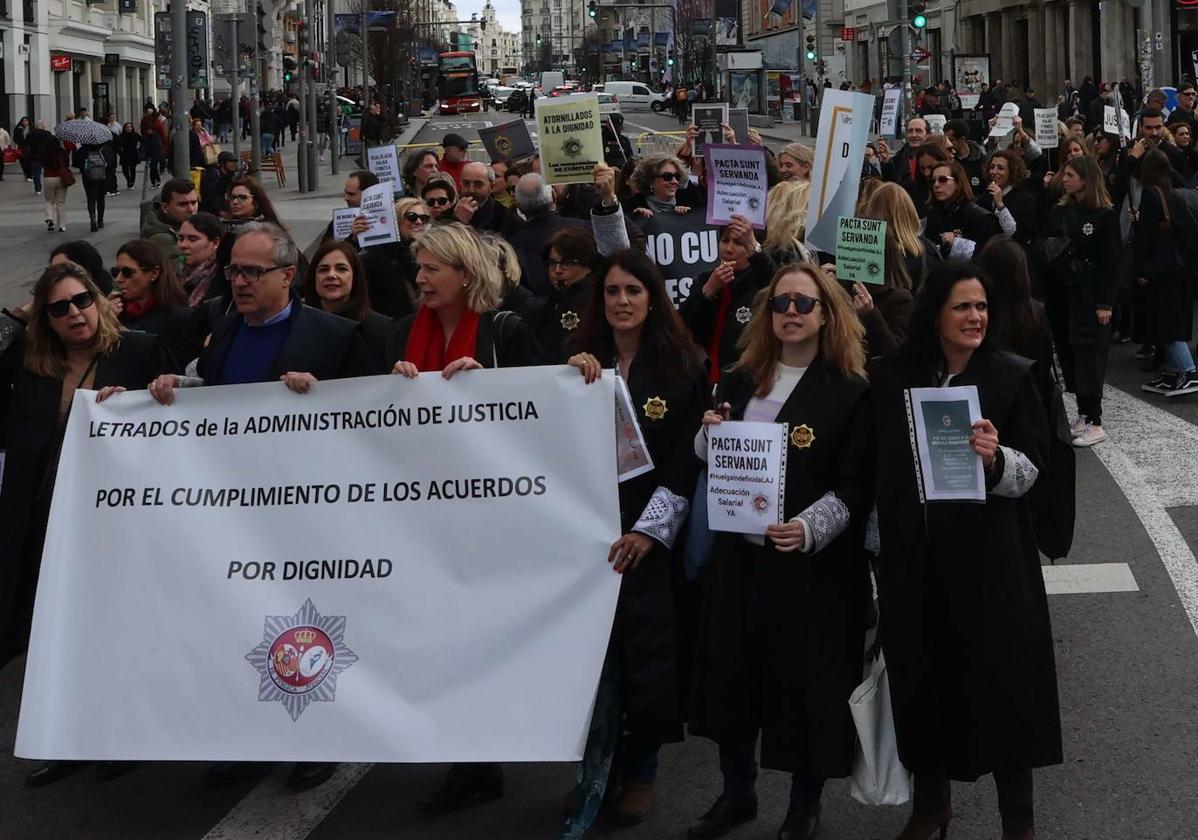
405, 204
892, 204
786, 215
841, 339
45, 354
646, 171
455, 244
801, 153
505, 258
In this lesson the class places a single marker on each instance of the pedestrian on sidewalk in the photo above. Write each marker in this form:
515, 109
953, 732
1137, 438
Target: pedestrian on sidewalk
153, 144
6, 143
92, 162
129, 152
56, 178
20, 136
35, 145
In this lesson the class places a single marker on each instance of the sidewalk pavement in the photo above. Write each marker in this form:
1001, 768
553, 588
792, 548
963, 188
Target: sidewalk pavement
787, 132
26, 245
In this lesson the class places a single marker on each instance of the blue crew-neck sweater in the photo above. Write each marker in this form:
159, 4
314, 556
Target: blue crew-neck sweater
253, 351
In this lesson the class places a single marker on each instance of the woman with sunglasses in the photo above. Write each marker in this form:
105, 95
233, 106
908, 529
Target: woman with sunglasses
967, 635
199, 242
336, 283
439, 194
782, 627
657, 180
954, 222
149, 297
630, 324
920, 188
68, 337
390, 269
721, 301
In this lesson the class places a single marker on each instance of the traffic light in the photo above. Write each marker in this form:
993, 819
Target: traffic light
670, 61
592, 9
265, 15
538, 39
811, 53
918, 17
289, 68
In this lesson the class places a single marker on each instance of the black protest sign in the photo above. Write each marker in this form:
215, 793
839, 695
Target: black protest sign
510, 140
683, 246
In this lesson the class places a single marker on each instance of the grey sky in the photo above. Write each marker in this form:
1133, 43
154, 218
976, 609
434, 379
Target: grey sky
508, 12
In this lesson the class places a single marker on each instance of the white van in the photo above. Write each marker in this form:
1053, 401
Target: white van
635, 93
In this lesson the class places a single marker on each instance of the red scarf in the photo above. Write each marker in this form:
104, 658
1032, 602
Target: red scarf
134, 310
721, 315
426, 342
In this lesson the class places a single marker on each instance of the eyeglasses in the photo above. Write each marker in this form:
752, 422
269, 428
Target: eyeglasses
437, 202
241, 197
60, 308
1188, 93
944, 179
123, 271
552, 264
252, 273
412, 217
803, 304
668, 176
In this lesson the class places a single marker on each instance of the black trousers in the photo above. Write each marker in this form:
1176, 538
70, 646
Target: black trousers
933, 795
96, 191
130, 171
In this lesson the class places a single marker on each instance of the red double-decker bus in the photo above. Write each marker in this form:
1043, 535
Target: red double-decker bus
457, 83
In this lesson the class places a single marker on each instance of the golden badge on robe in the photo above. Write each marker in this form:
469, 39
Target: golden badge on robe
570, 320
801, 437
655, 408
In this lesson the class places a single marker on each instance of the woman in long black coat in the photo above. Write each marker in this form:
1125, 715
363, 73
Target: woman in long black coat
46, 355
782, 627
964, 616
631, 325
957, 225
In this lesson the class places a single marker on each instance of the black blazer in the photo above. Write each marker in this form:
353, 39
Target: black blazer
376, 330
502, 341
173, 325
700, 312
326, 346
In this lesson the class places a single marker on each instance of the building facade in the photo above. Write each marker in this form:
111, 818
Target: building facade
498, 53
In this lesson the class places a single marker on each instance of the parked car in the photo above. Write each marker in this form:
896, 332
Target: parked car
500, 94
608, 103
517, 100
636, 93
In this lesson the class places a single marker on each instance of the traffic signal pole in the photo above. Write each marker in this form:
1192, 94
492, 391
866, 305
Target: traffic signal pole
908, 46
310, 104
181, 146
331, 77
234, 58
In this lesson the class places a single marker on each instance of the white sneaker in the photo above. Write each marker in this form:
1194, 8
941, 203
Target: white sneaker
1090, 435
1079, 426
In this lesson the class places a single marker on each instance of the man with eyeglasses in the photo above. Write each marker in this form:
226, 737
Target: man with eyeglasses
355, 183
1187, 98
476, 206
160, 219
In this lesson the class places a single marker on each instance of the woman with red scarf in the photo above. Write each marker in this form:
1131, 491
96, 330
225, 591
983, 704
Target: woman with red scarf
150, 298
457, 326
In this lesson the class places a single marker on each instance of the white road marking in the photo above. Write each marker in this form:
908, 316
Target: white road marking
271, 810
1089, 578
1138, 468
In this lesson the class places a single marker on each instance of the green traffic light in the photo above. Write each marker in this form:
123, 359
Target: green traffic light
811, 55
920, 21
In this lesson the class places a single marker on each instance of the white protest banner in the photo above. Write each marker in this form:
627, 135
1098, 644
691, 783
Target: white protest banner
343, 220
344, 575
836, 175
736, 183
888, 126
709, 119
1004, 122
570, 132
746, 475
1046, 128
683, 246
378, 205
969, 101
935, 123
383, 161
1114, 121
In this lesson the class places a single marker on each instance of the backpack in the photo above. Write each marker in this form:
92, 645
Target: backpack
95, 167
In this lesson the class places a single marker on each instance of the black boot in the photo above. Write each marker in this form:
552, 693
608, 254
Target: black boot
464, 784
802, 821
726, 814
94, 228
309, 774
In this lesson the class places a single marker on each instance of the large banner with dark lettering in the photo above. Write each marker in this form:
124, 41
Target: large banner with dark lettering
382, 569
683, 246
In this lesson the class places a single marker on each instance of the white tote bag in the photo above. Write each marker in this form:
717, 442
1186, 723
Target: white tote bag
879, 778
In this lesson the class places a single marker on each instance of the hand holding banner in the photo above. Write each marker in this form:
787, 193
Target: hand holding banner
746, 474
378, 205
383, 161
343, 220
1004, 123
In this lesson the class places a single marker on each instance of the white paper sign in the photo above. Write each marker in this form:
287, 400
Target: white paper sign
888, 126
632, 455
381, 569
343, 220
736, 183
950, 469
969, 101
383, 161
1114, 121
378, 206
1046, 128
1004, 122
746, 474
935, 123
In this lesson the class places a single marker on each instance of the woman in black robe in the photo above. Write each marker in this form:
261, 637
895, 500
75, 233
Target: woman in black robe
631, 325
570, 259
957, 225
964, 616
67, 338
782, 628
150, 298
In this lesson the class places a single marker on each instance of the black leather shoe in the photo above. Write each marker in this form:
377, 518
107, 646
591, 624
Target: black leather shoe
109, 770
726, 814
801, 823
51, 772
309, 774
226, 773
464, 784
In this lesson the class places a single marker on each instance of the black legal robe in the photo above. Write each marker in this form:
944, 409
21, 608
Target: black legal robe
964, 616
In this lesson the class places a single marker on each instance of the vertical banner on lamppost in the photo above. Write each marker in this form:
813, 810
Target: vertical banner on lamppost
836, 175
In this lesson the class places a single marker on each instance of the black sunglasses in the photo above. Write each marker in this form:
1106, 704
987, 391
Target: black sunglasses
123, 271
804, 305
413, 217
668, 176
943, 179
436, 202
60, 308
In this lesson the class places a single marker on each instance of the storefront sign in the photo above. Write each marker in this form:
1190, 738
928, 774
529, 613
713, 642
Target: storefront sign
60, 63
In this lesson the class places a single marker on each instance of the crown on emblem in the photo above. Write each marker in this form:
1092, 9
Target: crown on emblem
305, 637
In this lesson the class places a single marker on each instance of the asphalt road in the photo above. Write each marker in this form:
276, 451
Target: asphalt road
1127, 661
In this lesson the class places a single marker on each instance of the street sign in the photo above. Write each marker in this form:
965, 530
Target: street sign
848, 33
197, 50
919, 55
243, 58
